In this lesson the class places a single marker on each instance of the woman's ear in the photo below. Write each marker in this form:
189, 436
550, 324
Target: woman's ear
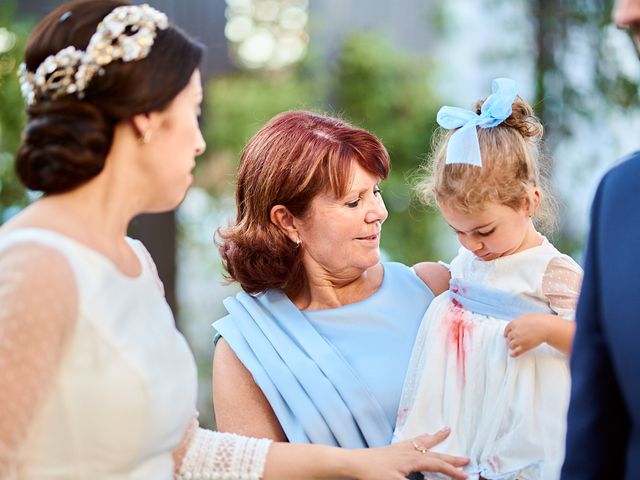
145, 125
141, 124
282, 218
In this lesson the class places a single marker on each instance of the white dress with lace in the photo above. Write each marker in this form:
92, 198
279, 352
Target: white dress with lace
95, 381
507, 414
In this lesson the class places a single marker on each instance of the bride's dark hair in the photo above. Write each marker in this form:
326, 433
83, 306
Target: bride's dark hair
66, 141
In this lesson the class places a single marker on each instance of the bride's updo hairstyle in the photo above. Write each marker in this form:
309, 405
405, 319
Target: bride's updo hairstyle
71, 120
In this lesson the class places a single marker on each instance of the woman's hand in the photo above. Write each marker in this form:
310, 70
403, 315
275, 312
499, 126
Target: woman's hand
398, 460
527, 332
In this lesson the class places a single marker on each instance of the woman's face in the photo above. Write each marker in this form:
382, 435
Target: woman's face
173, 146
341, 236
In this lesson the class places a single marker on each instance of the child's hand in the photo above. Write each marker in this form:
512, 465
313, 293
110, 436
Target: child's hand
526, 332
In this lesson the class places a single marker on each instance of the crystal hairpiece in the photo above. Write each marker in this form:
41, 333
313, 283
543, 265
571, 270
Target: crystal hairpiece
127, 34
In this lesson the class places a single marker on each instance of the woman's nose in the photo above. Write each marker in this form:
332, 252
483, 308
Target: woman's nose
201, 145
377, 211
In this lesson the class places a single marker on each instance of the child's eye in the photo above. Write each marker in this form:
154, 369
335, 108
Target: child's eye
487, 233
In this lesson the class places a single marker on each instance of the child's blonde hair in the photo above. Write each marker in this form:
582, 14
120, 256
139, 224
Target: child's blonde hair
510, 155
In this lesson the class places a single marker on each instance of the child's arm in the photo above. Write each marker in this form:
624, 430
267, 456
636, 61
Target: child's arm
434, 275
561, 286
529, 331
560, 333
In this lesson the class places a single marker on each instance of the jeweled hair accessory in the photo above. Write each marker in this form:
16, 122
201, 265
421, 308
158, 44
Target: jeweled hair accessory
127, 34
463, 146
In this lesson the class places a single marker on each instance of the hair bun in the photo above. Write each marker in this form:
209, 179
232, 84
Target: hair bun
521, 119
65, 143
524, 120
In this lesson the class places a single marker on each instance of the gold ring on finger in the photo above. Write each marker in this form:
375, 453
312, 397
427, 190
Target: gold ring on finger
419, 448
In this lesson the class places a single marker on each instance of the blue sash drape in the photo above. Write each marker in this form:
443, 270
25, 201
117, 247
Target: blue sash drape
314, 392
493, 302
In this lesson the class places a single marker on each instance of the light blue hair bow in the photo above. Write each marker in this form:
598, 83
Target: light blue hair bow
463, 145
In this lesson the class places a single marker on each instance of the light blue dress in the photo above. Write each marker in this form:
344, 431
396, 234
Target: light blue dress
331, 376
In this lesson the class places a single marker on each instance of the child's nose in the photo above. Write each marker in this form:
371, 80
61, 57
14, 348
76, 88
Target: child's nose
475, 245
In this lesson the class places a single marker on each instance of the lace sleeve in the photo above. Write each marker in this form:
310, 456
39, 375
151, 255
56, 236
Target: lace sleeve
39, 310
206, 454
561, 285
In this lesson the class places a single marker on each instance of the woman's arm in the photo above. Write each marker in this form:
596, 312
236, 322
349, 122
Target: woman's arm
206, 453
38, 312
239, 404
296, 461
434, 275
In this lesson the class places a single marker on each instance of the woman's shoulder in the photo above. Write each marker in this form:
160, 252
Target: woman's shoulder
27, 251
35, 277
32, 246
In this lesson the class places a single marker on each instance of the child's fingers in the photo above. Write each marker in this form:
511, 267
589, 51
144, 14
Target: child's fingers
434, 439
443, 467
517, 351
452, 459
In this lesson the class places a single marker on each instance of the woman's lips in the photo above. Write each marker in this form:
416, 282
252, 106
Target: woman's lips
370, 238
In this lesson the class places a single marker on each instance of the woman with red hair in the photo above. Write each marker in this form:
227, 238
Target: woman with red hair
318, 342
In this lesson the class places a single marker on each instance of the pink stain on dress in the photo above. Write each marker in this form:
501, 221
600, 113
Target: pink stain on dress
402, 413
459, 333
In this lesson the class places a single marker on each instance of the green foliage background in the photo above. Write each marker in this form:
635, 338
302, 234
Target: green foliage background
375, 85
12, 194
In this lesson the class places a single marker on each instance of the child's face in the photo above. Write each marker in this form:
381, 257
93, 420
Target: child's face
495, 231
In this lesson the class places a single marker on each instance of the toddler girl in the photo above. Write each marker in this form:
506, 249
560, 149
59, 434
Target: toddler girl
490, 358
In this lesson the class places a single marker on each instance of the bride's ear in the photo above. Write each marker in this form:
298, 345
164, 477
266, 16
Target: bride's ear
144, 126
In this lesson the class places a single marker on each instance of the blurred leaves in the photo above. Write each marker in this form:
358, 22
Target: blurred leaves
562, 27
13, 35
390, 93
579, 74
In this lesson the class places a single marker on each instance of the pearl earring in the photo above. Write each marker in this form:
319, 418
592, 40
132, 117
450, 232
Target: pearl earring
146, 137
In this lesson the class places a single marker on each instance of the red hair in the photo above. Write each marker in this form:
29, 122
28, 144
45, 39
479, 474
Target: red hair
289, 161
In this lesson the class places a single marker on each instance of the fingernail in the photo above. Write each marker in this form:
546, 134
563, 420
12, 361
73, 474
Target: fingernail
445, 429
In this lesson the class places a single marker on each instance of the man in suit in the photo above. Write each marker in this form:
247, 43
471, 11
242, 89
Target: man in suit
603, 436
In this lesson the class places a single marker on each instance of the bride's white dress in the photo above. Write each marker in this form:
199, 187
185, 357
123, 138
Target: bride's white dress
95, 381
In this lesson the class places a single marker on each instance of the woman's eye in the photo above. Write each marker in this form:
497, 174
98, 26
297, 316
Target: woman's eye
376, 191
353, 204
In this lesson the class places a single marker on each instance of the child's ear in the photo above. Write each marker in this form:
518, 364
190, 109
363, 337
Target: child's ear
532, 201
